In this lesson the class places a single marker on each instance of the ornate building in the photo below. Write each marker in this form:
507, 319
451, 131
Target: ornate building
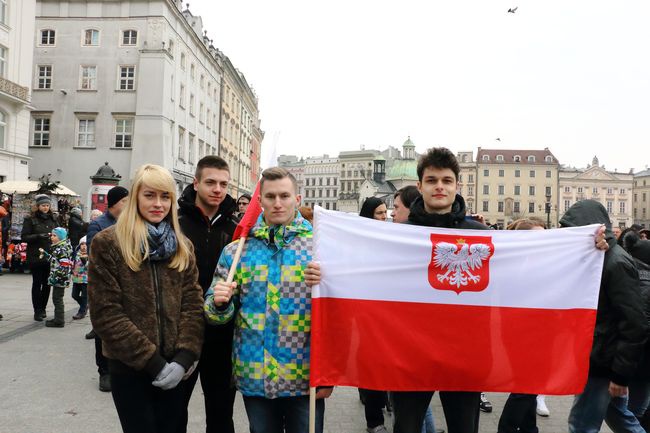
641, 202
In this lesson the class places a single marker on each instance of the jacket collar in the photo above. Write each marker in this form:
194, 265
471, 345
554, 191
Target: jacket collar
187, 205
282, 235
419, 216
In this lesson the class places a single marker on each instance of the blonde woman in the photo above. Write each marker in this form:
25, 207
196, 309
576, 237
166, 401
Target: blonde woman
147, 305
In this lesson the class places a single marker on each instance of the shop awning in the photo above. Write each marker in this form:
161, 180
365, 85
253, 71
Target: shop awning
27, 186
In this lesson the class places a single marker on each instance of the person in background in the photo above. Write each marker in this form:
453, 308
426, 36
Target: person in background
36, 232
617, 232
95, 213
60, 259
402, 201
242, 204
77, 227
80, 279
146, 305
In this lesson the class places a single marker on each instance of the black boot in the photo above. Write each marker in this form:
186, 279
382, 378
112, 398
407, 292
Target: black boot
38, 317
54, 323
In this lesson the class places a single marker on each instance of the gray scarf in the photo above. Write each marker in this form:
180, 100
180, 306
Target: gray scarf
162, 241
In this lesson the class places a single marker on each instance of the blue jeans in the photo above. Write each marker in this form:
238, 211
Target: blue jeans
590, 409
639, 397
429, 425
282, 415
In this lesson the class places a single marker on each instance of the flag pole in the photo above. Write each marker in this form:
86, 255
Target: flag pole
312, 409
235, 260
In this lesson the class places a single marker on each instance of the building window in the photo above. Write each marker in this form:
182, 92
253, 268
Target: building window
567, 189
486, 173
517, 158
190, 158
517, 173
621, 207
486, 206
517, 189
567, 205
622, 191
532, 173
86, 134
192, 104
47, 37
531, 158
44, 77
470, 178
127, 78
548, 158
470, 190
88, 78
202, 82
124, 133
499, 158
548, 173
486, 157
183, 61
516, 208
3, 61
501, 189
531, 190
41, 131
594, 191
579, 190
3, 11
610, 206
548, 191
201, 149
181, 97
192, 71
643, 197
486, 189
500, 206
3, 129
91, 38
531, 207
610, 191
208, 123
502, 173
130, 37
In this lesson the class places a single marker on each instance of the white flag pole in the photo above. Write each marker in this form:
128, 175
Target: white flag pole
312, 409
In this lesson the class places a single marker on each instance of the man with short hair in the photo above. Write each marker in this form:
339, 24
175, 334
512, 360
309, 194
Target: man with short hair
116, 199
270, 302
206, 218
402, 201
439, 206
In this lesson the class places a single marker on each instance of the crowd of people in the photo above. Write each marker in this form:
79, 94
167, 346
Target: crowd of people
172, 299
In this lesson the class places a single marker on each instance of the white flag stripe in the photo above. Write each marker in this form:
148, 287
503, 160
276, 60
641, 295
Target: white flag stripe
373, 260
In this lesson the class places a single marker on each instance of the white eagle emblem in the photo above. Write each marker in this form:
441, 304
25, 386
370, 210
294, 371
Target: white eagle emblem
460, 263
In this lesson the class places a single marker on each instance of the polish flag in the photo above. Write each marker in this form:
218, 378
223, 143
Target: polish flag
250, 217
409, 308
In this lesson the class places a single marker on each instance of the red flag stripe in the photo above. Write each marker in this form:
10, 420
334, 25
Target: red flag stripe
250, 217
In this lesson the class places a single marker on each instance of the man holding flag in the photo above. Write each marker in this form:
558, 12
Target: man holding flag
270, 303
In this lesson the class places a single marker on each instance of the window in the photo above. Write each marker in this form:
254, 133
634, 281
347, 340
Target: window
548, 158
41, 131
501, 189
516, 208
531, 190
3, 61
567, 205
622, 191
548, 191
567, 189
532, 173
594, 191
486, 157
500, 158
86, 134
643, 197
88, 78
183, 61
124, 133
621, 207
548, 173
517, 158
202, 82
127, 78
181, 143
579, 190
192, 71
47, 37
91, 38
192, 104
201, 149
44, 77
610, 191
531, 158
486, 173
517, 190
486, 189
3, 11
486, 206
3, 129
610, 206
130, 37
470, 178
502, 173
531, 207
190, 159
500, 206
517, 173
208, 119
181, 97
201, 109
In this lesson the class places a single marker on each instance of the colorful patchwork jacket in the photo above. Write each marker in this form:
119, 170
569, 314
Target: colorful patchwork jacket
60, 259
271, 308
80, 269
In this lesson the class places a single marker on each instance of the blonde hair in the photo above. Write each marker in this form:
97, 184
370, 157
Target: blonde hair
131, 228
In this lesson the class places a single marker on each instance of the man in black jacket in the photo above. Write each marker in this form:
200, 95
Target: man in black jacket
439, 206
206, 218
619, 335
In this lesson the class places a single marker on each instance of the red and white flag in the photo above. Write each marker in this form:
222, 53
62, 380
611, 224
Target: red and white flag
404, 307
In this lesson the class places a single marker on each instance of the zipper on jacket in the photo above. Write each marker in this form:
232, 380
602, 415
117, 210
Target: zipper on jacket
159, 307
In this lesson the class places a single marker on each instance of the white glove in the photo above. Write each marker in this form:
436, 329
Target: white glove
169, 376
191, 370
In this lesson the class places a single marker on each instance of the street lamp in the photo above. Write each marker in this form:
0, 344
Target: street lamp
547, 209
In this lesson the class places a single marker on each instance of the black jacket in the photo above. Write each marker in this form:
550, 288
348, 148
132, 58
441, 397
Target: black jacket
77, 229
36, 230
455, 219
621, 327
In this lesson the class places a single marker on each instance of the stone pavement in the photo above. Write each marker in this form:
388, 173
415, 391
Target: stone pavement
48, 380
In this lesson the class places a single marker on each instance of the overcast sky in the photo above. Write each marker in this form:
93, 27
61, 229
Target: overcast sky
573, 76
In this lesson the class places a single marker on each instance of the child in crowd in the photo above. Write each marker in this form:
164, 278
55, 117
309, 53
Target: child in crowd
80, 279
60, 260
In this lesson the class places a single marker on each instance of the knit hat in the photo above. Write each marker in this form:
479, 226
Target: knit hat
76, 211
60, 233
116, 194
82, 240
637, 247
42, 199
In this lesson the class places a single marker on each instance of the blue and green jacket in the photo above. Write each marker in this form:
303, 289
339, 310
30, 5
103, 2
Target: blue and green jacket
271, 308
60, 258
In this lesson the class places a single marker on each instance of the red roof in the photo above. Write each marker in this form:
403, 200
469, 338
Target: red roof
515, 156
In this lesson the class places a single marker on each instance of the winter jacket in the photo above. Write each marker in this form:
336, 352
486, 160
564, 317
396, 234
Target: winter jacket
80, 268
621, 328
271, 308
101, 223
455, 219
77, 229
36, 232
60, 259
146, 317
